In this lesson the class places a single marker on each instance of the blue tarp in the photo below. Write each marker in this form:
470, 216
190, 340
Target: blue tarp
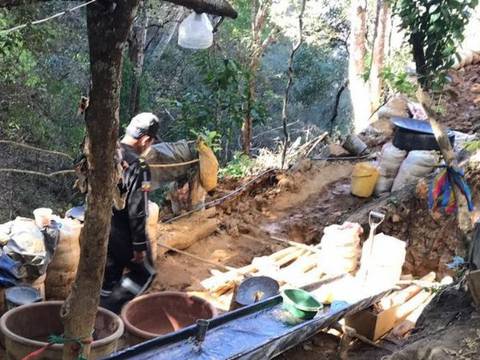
259, 331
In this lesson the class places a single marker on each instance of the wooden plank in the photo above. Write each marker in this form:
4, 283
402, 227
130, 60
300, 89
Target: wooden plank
409, 323
473, 279
374, 326
400, 297
224, 281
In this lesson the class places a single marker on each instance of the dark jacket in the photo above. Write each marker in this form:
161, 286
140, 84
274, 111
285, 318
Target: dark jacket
129, 224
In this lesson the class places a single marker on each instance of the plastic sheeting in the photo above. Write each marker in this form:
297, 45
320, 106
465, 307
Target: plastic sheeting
170, 153
260, 331
9, 271
31, 247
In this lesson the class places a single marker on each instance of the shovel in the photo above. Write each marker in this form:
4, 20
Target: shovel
375, 218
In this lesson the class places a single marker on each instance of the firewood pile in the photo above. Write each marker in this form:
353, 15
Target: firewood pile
293, 266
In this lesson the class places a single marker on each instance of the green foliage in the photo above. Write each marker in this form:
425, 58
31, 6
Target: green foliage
398, 82
16, 60
237, 168
43, 73
315, 71
437, 28
218, 103
213, 138
472, 146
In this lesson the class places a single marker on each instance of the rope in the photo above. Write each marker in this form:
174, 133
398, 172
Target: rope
173, 164
30, 147
60, 340
221, 266
36, 22
30, 172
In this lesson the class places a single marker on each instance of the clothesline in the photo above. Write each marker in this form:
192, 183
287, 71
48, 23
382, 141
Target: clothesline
40, 21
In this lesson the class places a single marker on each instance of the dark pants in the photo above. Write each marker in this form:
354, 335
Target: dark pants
119, 256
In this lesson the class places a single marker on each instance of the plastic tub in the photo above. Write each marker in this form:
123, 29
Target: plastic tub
152, 315
21, 295
43, 216
364, 178
26, 329
300, 303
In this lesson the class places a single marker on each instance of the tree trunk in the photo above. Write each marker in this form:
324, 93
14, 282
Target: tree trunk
358, 88
295, 48
160, 47
247, 122
378, 56
417, 40
107, 34
259, 11
136, 48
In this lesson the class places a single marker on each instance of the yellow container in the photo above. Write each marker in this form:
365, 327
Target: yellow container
364, 178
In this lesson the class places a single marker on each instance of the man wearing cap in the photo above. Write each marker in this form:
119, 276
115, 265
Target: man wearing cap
128, 242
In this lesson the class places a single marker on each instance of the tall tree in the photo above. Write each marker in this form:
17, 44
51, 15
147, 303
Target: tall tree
296, 45
108, 25
136, 51
378, 54
358, 50
257, 46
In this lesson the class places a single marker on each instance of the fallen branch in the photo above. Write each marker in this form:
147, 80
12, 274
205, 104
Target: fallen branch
314, 145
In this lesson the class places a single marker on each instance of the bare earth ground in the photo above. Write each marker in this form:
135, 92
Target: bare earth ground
298, 206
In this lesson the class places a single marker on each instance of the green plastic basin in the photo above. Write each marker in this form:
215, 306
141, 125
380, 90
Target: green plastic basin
300, 304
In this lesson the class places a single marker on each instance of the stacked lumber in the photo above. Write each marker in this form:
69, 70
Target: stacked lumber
396, 313
294, 266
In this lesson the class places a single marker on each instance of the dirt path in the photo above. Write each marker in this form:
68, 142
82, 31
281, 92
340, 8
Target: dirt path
298, 208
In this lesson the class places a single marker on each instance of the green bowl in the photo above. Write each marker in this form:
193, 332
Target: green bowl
300, 304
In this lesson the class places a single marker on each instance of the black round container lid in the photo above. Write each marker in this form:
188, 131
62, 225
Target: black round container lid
256, 288
421, 126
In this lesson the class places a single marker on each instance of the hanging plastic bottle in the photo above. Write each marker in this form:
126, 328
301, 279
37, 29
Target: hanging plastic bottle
195, 32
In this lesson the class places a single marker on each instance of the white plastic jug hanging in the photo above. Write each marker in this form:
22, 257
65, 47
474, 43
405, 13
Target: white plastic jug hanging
195, 32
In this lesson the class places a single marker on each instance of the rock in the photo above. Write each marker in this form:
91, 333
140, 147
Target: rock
337, 150
396, 106
260, 202
305, 165
286, 184
396, 218
307, 347
475, 88
421, 190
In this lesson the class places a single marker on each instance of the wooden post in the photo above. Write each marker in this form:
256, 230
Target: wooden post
464, 220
